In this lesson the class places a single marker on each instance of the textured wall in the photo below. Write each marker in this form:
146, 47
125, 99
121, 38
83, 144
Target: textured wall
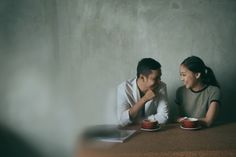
61, 61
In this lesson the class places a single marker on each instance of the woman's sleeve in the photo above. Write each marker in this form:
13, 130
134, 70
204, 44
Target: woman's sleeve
215, 95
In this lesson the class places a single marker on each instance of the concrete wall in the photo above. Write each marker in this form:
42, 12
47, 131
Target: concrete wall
61, 61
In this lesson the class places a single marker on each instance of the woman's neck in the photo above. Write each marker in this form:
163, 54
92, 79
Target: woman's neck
199, 86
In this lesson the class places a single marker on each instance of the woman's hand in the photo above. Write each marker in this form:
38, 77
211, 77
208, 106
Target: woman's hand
181, 118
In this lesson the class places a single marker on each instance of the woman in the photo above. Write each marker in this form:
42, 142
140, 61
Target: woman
200, 95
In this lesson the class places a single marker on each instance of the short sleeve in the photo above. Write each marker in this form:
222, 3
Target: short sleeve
215, 95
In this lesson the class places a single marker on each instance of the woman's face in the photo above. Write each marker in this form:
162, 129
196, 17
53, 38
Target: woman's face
188, 77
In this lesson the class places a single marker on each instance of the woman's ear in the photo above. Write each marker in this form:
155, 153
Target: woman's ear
197, 75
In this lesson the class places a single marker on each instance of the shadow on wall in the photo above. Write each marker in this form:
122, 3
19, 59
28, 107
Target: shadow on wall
12, 145
228, 105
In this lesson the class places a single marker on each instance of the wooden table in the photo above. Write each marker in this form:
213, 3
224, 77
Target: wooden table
170, 141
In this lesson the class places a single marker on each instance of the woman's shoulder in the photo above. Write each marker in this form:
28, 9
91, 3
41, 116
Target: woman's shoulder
211, 88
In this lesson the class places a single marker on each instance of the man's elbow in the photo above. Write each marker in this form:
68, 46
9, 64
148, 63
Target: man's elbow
123, 121
163, 119
122, 124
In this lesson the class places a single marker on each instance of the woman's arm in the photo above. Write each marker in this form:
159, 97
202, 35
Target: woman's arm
180, 115
211, 114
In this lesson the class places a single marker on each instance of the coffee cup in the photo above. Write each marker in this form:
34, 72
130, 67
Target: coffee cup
149, 124
189, 123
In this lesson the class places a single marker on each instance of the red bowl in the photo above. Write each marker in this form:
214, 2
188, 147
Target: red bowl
149, 124
190, 123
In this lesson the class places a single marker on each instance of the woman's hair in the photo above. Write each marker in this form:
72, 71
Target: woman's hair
196, 65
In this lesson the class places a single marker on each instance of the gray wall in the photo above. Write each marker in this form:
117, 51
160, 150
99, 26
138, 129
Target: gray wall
60, 61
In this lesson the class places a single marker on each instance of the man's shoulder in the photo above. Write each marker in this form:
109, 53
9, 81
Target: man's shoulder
128, 84
161, 87
163, 84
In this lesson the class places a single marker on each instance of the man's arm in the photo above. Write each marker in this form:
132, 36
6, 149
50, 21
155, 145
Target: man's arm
133, 111
162, 108
127, 108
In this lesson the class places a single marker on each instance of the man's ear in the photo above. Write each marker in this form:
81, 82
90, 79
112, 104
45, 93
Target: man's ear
142, 77
197, 75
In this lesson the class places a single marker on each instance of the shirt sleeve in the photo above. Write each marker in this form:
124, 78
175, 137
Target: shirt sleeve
162, 107
215, 95
123, 106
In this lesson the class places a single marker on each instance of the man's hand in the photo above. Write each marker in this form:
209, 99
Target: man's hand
149, 95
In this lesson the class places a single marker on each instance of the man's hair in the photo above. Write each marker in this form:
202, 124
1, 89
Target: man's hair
145, 66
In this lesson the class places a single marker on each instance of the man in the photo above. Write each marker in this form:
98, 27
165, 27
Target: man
144, 96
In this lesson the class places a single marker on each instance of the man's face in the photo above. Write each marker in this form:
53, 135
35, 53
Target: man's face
152, 80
